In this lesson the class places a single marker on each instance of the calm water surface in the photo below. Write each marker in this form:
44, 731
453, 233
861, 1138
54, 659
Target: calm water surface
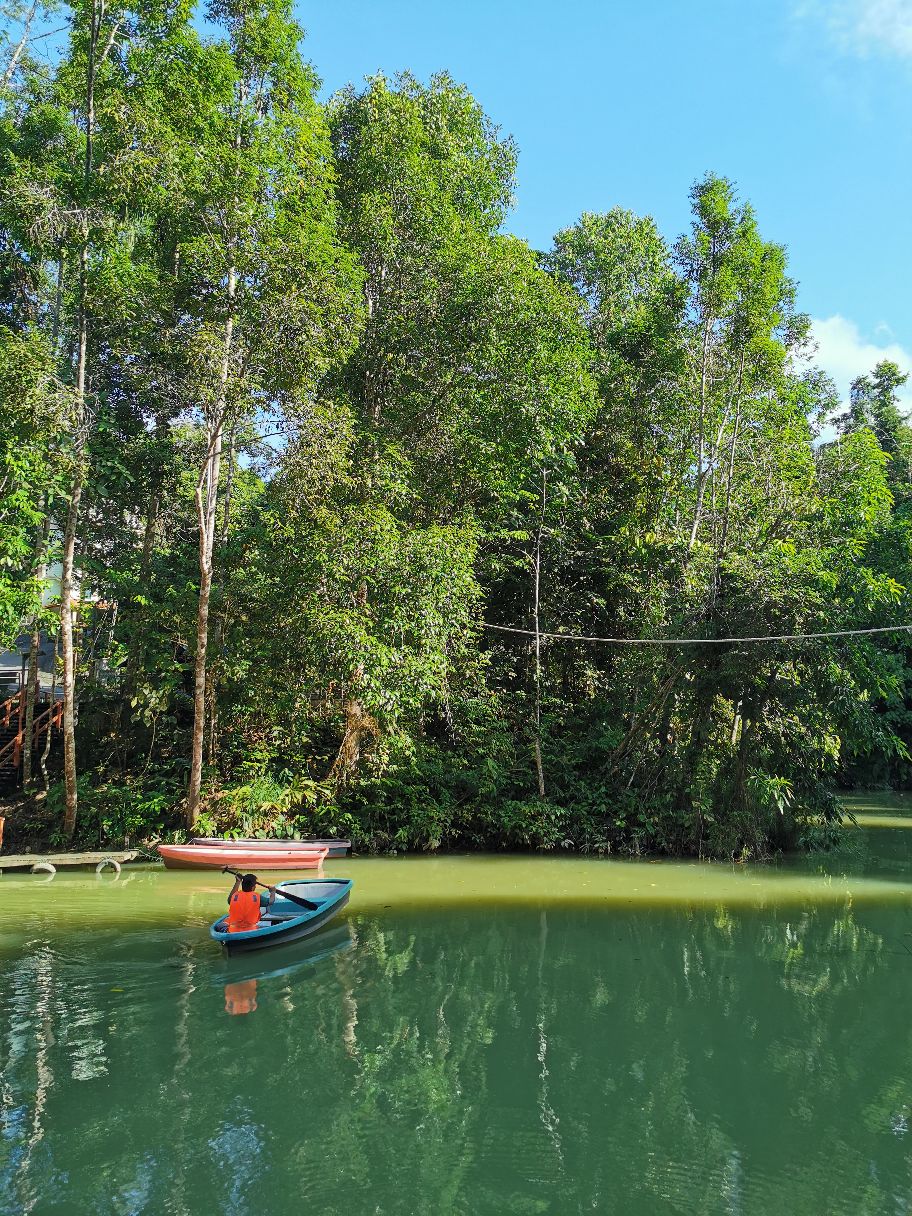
479, 1035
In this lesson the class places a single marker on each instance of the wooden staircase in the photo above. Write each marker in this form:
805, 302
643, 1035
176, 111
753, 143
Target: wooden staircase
9, 770
48, 716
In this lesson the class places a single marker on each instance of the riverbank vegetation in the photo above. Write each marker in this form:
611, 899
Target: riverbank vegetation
301, 425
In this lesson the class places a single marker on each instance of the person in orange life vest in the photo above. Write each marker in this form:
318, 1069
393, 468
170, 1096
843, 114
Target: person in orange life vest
244, 904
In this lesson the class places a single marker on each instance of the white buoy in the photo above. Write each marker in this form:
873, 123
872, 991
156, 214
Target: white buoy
108, 861
44, 867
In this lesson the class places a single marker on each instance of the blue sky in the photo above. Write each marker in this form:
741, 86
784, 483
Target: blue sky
806, 104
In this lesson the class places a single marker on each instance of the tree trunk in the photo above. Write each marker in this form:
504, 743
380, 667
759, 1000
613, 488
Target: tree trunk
701, 475
46, 750
135, 657
67, 587
199, 681
206, 517
206, 507
31, 695
58, 300
67, 581
536, 565
358, 723
731, 468
20, 46
31, 683
212, 672
644, 719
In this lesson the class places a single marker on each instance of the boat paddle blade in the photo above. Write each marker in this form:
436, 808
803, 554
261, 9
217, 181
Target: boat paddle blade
298, 899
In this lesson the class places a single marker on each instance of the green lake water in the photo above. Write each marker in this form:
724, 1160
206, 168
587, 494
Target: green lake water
475, 1035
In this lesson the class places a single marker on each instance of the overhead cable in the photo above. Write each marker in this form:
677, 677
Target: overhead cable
785, 637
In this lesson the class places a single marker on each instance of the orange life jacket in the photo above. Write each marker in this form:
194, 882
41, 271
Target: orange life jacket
243, 911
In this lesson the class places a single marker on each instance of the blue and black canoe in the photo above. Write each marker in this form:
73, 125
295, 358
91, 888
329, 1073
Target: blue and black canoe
283, 921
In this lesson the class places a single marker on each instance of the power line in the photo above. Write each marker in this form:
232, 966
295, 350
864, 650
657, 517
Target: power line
786, 637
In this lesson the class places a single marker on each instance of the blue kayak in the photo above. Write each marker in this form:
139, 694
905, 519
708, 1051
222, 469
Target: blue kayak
285, 921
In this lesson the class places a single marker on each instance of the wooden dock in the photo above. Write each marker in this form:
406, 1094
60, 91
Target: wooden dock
25, 861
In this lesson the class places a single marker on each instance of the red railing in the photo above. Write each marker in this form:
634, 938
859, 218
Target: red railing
6, 707
47, 720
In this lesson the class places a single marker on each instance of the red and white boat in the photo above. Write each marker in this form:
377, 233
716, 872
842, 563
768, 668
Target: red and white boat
213, 857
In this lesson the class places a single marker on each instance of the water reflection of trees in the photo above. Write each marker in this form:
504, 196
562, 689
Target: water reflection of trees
523, 1062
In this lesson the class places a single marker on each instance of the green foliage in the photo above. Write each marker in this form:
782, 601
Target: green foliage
426, 428
115, 810
32, 471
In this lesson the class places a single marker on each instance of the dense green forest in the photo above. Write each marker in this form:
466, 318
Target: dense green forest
297, 423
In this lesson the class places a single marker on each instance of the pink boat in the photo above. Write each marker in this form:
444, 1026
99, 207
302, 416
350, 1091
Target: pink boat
203, 857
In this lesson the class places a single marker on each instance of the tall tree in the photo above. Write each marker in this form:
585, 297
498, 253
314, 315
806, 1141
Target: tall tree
473, 369
269, 296
874, 402
65, 218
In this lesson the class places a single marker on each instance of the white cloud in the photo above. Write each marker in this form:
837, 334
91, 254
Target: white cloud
863, 27
843, 353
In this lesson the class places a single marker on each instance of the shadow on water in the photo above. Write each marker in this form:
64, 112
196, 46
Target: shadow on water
627, 1058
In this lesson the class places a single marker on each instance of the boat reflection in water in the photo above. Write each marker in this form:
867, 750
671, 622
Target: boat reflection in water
241, 975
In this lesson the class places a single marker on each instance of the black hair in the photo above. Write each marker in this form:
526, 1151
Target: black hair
248, 882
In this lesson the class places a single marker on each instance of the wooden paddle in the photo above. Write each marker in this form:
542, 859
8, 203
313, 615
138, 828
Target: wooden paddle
295, 899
